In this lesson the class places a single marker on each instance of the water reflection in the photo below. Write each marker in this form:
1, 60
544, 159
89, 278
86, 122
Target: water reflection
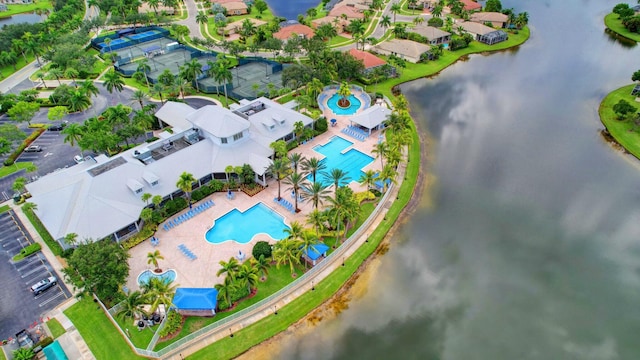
530, 250
614, 37
22, 18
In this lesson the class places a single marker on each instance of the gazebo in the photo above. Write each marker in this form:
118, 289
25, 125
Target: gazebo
371, 118
314, 252
196, 301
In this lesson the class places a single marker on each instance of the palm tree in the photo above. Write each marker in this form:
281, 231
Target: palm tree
145, 68
248, 274
73, 133
79, 101
229, 267
295, 159
295, 181
132, 305
222, 75
380, 149
294, 231
193, 69
313, 166
139, 96
89, 88
113, 81
56, 73
23, 354
307, 240
368, 178
225, 290
387, 174
202, 18
315, 192
158, 89
287, 251
185, 183
437, 11
146, 197
317, 218
279, 168
395, 8
153, 257
344, 91
263, 265
385, 21
343, 208
159, 291
73, 74
337, 177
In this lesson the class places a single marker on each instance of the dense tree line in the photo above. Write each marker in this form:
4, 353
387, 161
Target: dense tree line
630, 20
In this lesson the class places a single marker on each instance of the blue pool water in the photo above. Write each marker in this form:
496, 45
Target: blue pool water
333, 105
145, 276
350, 162
54, 351
243, 226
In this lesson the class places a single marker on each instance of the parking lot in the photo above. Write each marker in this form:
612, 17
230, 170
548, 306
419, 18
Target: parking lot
19, 308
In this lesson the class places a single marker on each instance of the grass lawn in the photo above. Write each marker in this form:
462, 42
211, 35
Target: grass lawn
8, 69
23, 8
612, 21
104, 341
17, 166
2, 357
140, 339
337, 40
227, 348
56, 329
626, 133
4, 208
53, 245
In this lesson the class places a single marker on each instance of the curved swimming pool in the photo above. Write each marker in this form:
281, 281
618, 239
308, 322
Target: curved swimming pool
355, 104
168, 276
243, 226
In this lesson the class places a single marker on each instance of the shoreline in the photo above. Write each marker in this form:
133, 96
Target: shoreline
620, 132
615, 25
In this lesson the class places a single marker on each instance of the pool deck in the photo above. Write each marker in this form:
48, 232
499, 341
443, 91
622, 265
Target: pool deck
201, 272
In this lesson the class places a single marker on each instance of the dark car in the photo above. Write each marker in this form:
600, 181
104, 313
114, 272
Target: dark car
44, 284
56, 127
24, 339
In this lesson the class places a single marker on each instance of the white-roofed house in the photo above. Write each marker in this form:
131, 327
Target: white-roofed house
371, 118
101, 197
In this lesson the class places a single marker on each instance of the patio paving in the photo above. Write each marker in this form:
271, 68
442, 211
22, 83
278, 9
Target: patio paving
201, 272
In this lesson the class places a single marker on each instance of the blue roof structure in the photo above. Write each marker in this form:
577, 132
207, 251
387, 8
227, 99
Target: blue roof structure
316, 250
125, 31
195, 298
152, 48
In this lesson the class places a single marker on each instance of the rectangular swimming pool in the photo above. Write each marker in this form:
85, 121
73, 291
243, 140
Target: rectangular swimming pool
351, 162
54, 352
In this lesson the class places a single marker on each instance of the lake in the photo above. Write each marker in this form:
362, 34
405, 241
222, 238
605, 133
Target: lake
22, 18
291, 9
526, 245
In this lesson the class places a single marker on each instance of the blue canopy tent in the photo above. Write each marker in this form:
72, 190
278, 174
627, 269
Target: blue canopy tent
151, 49
126, 31
315, 251
196, 301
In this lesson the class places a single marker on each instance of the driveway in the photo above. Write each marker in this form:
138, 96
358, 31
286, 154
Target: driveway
19, 308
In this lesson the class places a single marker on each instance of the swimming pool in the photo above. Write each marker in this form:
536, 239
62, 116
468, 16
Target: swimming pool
144, 277
243, 226
333, 105
54, 351
350, 162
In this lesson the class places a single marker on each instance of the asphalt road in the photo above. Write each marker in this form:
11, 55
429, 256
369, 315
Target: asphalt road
19, 308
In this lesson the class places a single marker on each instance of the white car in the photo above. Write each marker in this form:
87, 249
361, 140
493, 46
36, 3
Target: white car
78, 159
44, 284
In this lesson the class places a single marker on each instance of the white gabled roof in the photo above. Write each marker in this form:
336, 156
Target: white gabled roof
372, 117
218, 121
175, 114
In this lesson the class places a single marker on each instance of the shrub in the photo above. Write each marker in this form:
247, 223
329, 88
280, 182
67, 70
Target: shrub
151, 139
365, 195
321, 125
14, 155
235, 295
261, 248
174, 206
26, 251
215, 185
172, 325
435, 22
44, 341
146, 232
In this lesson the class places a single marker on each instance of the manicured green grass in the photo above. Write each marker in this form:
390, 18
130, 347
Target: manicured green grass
625, 132
53, 245
254, 334
104, 341
2, 357
4, 208
8, 69
613, 22
56, 329
26, 8
140, 339
337, 40
8, 170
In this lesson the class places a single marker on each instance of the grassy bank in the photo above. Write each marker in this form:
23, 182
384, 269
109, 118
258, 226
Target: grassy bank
626, 133
53, 245
98, 332
17, 166
254, 334
613, 23
56, 329
13, 9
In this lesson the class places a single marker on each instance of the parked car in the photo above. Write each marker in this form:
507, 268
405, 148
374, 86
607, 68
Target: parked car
78, 159
44, 284
24, 339
56, 127
33, 148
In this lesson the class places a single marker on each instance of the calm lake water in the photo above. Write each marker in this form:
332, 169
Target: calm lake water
21, 18
291, 8
531, 247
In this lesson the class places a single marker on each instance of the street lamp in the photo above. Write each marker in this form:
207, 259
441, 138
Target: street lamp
313, 288
230, 333
275, 310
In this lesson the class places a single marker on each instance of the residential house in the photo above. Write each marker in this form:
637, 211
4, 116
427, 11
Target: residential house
496, 19
294, 30
370, 61
434, 35
236, 8
406, 49
471, 6
337, 22
236, 26
100, 197
483, 33
145, 8
341, 10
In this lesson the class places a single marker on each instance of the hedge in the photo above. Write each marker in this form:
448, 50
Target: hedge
26, 251
14, 155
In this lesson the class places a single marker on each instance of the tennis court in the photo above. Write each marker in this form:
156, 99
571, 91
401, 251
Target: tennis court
245, 76
173, 61
139, 50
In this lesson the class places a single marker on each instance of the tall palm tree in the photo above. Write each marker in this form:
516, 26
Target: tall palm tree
315, 192
230, 268
287, 251
78, 101
139, 96
193, 69
380, 149
72, 74
202, 18
73, 133
145, 68
338, 177
89, 88
294, 231
158, 90
368, 178
113, 81
395, 9
295, 181
344, 91
296, 159
132, 305
313, 166
248, 274
222, 75
263, 265
56, 73
385, 21
317, 218
159, 291
343, 209
307, 240
225, 289
185, 183
153, 257
279, 168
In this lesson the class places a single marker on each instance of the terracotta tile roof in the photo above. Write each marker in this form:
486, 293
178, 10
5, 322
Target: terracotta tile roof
299, 29
235, 5
347, 10
488, 16
368, 59
470, 5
